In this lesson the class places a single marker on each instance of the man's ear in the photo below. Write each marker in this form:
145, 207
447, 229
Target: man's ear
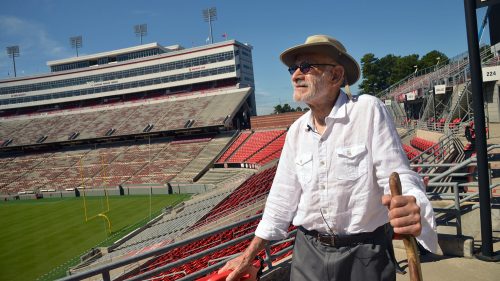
338, 75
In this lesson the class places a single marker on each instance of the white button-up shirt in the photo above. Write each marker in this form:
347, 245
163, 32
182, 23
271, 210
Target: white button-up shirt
335, 181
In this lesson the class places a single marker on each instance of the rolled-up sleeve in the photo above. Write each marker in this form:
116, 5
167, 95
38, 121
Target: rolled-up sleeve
388, 157
283, 198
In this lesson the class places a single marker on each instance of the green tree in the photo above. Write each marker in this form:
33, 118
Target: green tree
379, 74
404, 67
287, 108
431, 59
370, 82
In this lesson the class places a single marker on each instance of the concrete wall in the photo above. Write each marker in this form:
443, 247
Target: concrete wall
180, 188
100, 192
145, 190
491, 92
428, 135
95, 192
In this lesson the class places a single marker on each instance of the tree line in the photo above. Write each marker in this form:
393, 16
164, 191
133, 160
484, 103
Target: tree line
380, 73
287, 108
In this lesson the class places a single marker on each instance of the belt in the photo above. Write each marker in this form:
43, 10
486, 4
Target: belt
334, 240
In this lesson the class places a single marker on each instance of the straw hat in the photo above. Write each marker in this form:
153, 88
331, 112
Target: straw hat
327, 45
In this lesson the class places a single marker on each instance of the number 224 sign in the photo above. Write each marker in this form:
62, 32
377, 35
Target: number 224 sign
491, 73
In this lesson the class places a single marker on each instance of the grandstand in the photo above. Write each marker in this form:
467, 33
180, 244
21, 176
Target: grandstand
178, 120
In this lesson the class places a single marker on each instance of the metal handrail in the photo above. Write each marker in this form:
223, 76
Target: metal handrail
453, 66
457, 103
442, 147
455, 205
434, 182
104, 270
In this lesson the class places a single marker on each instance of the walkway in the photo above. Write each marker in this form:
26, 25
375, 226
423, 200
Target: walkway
440, 268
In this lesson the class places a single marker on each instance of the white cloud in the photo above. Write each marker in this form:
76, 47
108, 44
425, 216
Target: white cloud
32, 37
262, 93
36, 46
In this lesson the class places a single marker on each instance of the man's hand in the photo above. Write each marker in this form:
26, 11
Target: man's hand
404, 214
239, 266
244, 263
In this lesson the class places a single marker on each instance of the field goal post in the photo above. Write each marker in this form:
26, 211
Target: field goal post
105, 209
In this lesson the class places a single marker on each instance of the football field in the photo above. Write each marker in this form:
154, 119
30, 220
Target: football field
37, 236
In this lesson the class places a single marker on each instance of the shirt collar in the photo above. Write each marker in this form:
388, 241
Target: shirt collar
338, 111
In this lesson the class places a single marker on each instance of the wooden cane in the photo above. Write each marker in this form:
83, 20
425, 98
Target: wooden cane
408, 240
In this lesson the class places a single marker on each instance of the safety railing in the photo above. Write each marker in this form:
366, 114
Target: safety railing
457, 106
104, 271
456, 66
453, 170
435, 153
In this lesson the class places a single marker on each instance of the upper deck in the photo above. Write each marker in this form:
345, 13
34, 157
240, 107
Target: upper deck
149, 67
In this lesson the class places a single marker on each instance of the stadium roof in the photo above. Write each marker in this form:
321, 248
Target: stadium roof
117, 52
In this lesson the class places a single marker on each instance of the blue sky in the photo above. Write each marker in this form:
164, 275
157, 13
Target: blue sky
42, 29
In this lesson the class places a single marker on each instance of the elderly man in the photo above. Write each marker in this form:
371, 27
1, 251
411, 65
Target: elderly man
332, 177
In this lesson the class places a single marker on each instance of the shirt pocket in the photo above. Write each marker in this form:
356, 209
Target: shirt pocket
352, 162
304, 167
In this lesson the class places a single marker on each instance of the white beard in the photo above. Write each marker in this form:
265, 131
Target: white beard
317, 87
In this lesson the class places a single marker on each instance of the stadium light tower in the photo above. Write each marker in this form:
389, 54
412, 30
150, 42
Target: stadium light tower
13, 52
141, 30
76, 42
210, 15
437, 63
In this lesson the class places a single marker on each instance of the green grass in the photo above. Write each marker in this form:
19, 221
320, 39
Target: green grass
38, 236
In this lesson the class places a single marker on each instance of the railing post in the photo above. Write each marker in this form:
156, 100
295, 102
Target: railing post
479, 124
268, 259
106, 276
458, 214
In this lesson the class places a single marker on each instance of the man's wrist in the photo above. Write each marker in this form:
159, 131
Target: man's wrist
256, 245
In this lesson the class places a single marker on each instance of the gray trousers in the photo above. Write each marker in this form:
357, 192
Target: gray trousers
314, 261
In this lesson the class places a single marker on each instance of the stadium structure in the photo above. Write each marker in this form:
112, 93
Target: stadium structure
176, 120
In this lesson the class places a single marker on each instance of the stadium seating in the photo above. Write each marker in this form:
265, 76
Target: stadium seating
101, 166
241, 139
254, 188
164, 113
410, 151
253, 145
197, 213
424, 145
197, 247
269, 152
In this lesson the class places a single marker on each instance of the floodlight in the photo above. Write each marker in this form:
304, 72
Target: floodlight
141, 30
76, 42
13, 52
210, 15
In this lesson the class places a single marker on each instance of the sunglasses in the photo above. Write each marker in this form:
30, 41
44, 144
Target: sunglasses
306, 67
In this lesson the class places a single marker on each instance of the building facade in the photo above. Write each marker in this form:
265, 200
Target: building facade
141, 70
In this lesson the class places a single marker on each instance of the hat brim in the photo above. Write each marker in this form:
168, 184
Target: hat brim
351, 67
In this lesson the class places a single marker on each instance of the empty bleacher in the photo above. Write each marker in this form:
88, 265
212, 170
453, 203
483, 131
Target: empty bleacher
167, 113
257, 147
253, 189
181, 218
235, 145
130, 164
269, 152
204, 159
